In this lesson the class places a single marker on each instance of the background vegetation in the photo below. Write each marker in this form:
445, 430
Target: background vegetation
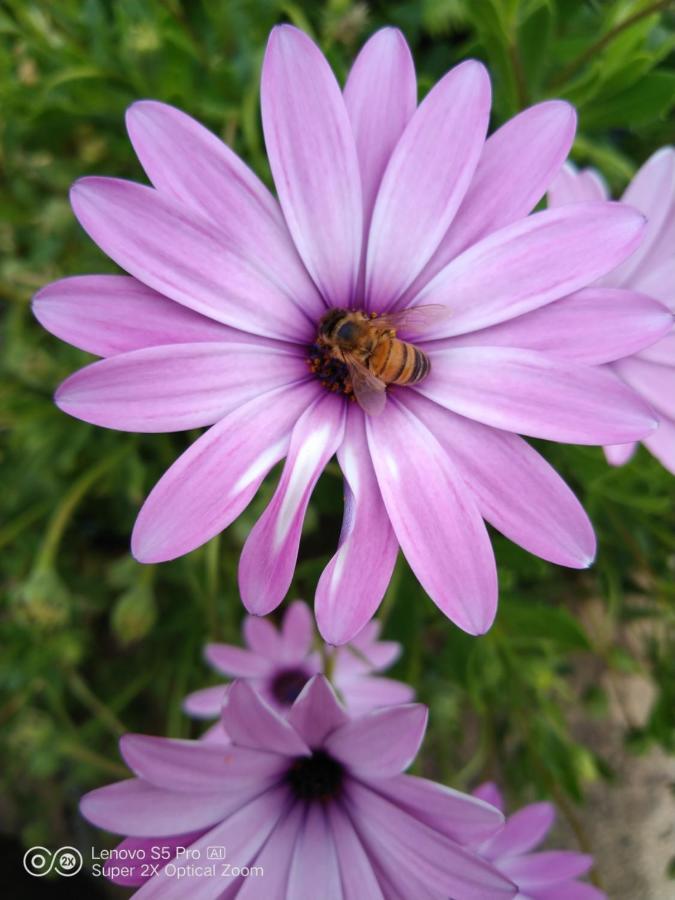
94, 644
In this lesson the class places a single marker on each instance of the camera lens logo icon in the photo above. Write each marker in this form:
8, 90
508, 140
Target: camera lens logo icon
65, 861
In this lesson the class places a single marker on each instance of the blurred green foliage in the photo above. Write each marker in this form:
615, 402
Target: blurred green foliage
93, 643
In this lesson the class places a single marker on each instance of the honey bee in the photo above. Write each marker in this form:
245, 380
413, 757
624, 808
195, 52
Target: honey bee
371, 352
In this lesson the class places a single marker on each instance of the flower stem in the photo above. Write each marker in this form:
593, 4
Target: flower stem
85, 755
328, 656
390, 595
590, 52
518, 74
67, 506
212, 552
89, 699
27, 518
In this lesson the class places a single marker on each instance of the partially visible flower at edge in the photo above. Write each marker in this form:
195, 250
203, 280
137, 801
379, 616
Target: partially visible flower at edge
546, 875
278, 663
383, 205
315, 799
651, 271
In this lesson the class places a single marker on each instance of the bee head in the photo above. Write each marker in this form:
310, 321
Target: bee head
347, 333
332, 323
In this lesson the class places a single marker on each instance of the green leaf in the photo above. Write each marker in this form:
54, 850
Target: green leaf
534, 43
535, 621
645, 102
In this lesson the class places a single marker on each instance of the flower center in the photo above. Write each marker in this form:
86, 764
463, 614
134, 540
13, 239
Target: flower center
316, 777
332, 373
287, 685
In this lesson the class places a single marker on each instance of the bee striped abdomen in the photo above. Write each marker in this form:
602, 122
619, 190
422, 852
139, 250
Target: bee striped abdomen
397, 362
420, 368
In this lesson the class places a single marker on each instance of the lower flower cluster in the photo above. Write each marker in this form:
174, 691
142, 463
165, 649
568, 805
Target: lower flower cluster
299, 792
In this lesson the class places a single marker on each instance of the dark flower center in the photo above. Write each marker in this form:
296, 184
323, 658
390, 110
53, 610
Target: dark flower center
316, 777
332, 373
287, 685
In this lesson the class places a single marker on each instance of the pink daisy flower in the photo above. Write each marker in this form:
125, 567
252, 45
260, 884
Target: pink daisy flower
278, 663
382, 206
546, 875
316, 800
649, 271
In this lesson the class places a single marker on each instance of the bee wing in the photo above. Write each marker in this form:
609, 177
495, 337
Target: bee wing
369, 391
415, 318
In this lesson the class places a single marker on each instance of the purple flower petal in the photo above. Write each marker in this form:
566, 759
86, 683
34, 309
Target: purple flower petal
216, 478
516, 490
619, 454
662, 444
490, 793
314, 868
243, 834
359, 881
237, 662
380, 743
263, 638
437, 862
532, 262
297, 631
435, 518
137, 851
535, 394
183, 255
275, 860
663, 351
251, 723
523, 831
206, 703
537, 870
660, 255
366, 693
175, 387
216, 734
192, 766
345, 600
186, 161
654, 382
133, 807
369, 633
372, 655
594, 325
111, 314
397, 882
461, 817
313, 158
380, 96
652, 192
317, 713
659, 282
425, 181
268, 558
572, 186
516, 167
